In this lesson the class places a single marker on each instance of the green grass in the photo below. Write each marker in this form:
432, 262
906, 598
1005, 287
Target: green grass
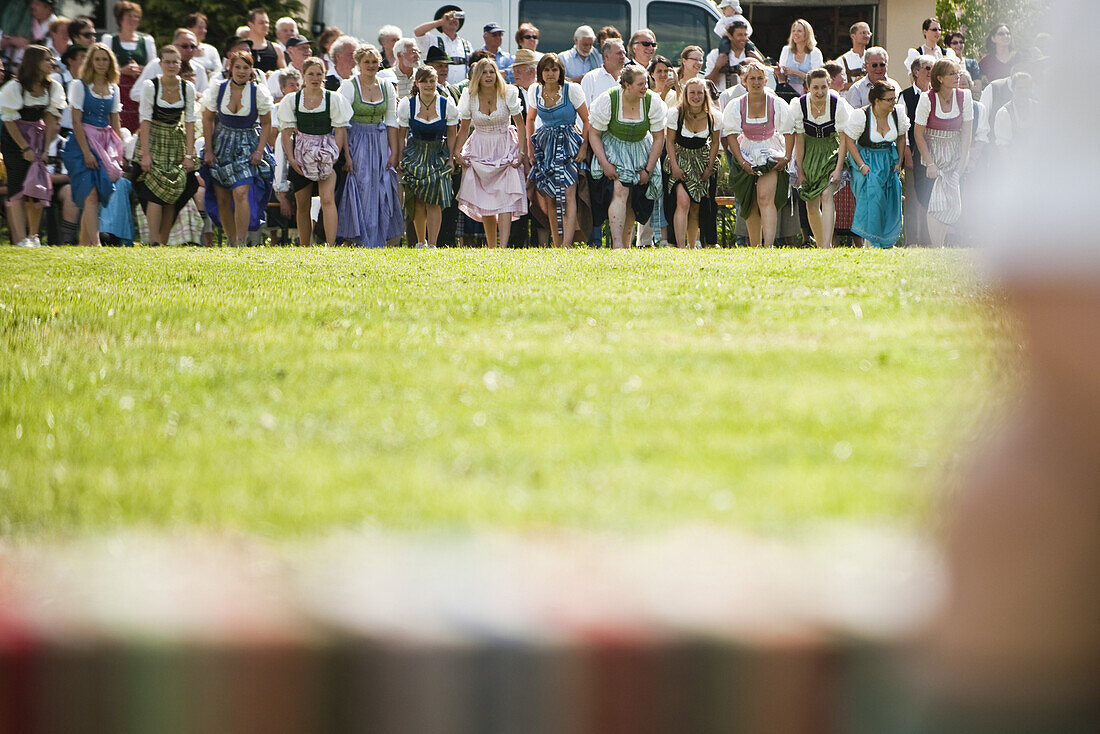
287, 391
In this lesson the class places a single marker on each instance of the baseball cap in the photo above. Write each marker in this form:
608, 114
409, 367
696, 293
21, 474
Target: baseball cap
492, 28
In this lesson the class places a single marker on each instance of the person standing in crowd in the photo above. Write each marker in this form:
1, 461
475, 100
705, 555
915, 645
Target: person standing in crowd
82, 31
370, 208
662, 77
582, 58
237, 169
443, 32
944, 132
314, 123
876, 61
557, 148
527, 36
408, 60
817, 119
438, 60
493, 34
853, 60
264, 55
185, 43
206, 56
342, 53
608, 31
627, 134
57, 38
720, 68
800, 56
525, 73
328, 35
933, 34
388, 35
916, 187
41, 16
30, 110
837, 80
692, 140
598, 81
1014, 117
133, 50
493, 191
93, 155
1000, 55
298, 50
662, 82
876, 146
956, 41
426, 141
285, 28
642, 47
691, 66
71, 62
759, 134
167, 144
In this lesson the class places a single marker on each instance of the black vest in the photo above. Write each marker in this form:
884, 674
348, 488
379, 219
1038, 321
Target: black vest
813, 129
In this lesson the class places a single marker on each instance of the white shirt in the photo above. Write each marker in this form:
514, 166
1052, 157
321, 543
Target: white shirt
347, 91
264, 103
732, 124
403, 83
981, 130
852, 60
456, 72
726, 77
924, 108
13, 99
153, 69
786, 58
148, 90
403, 112
576, 96
937, 53
599, 114
596, 82
467, 107
843, 112
857, 122
858, 94
339, 110
672, 119
208, 57
76, 96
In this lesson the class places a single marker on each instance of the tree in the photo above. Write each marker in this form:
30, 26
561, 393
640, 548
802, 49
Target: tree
162, 17
977, 18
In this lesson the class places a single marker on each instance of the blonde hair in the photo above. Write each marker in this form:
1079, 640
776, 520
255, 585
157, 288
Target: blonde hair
423, 74
310, 63
752, 64
364, 50
629, 74
479, 69
682, 102
87, 70
807, 31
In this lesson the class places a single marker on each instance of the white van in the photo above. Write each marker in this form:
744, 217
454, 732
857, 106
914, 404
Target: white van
677, 23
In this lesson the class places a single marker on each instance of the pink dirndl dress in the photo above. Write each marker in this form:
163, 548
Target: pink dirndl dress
492, 183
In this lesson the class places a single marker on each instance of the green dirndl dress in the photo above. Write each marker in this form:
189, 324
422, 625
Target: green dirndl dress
820, 144
759, 142
167, 182
427, 177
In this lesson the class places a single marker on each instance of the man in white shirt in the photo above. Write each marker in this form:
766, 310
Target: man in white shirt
598, 81
876, 60
933, 31
342, 53
186, 42
852, 61
582, 58
719, 66
407, 52
443, 32
298, 49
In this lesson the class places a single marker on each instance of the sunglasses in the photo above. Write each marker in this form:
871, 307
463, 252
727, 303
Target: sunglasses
891, 100
936, 30
187, 45
530, 38
86, 34
958, 42
877, 65
647, 44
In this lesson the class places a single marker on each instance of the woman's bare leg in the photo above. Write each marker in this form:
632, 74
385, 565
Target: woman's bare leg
490, 225
569, 225
327, 191
765, 203
89, 220
680, 218
616, 215
17, 221
226, 213
152, 218
34, 216
828, 218
302, 200
937, 231
241, 213
504, 228
752, 223
813, 216
693, 224
435, 221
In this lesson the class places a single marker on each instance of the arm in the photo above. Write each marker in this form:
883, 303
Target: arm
53, 124
517, 120
288, 149
261, 144
715, 148
595, 137
925, 153
721, 64
582, 111
115, 121
189, 146
654, 155
15, 135
799, 150
452, 139
342, 144
208, 119
459, 141
788, 151
903, 146
530, 133
395, 153
853, 150
399, 148
425, 28
964, 148
841, 152
146, 156
673, 163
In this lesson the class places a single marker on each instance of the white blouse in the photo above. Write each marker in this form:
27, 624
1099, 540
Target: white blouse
347, 91
599, 114
470, 109
148, 90
264, 103
858, 121
76, 95
732, 123
403, 112
924, 108
786, 58
339, 110
576, 96
13, 99
843, 112
673, 119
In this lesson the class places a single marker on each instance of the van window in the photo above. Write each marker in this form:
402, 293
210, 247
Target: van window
678, 25
557, 20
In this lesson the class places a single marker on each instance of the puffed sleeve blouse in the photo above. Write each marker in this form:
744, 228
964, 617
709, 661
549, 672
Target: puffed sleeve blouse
576, 96
599, 114
924, 109
347, 91
339, 110
264, 101
13, 99
857, 122
732, 123
843, 112
466, 106
187, 92
403, 112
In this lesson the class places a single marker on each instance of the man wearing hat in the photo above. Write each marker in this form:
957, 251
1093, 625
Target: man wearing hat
298, 50
582, 58
442, 63
494, 37
443, 32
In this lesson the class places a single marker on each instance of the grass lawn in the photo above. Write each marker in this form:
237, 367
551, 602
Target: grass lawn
285, 392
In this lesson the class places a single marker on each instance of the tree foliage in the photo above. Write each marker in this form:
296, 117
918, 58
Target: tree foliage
977, 18
161, 17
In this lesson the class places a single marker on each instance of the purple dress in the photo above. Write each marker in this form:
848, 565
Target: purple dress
492, 184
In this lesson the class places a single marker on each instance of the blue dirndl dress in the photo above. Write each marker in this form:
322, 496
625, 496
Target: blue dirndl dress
877, 218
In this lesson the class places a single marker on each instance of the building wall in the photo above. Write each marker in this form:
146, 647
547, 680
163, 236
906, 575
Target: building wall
899, 31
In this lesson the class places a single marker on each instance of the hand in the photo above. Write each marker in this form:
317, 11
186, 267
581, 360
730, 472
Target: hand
781, 162
643, 176
677, 172
897, 168
394, 163
931, 171
297, 167
863, 167
458, 161
90, 161
836, 176
146, 162
209, 157
452, 163
28, 155
908, 158
581, 155
257, 157
188, 163
611, 172
349, 167
284, 204
708, 171
747, 167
